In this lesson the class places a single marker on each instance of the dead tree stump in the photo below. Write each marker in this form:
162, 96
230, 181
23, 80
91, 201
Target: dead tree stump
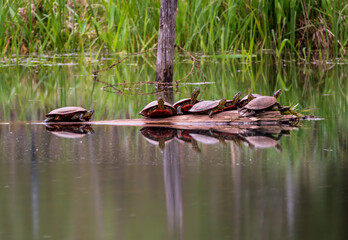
165, 52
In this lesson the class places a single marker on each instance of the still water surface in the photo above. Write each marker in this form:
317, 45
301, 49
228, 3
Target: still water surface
134, 183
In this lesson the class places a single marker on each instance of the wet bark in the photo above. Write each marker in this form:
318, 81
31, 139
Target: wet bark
165, 52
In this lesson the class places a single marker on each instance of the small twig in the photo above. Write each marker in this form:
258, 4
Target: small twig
194, 61
109, 67
135, 84
119, 61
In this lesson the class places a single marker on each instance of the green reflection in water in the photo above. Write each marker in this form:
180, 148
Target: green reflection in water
29, 89
114, 184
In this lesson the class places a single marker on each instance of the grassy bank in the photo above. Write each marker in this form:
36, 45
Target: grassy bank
298, 26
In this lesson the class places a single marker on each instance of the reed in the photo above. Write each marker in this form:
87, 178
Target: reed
218, 26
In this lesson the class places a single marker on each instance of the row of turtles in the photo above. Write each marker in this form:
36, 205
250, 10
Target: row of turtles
248, 105
254, 138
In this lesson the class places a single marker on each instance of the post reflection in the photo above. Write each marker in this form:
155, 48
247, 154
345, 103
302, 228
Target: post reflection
34, 187
173, 189
171, 166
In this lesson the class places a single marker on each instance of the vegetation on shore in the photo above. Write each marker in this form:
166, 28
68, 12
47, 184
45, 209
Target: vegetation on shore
223, 26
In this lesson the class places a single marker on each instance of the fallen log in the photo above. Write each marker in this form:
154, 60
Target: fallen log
232, 118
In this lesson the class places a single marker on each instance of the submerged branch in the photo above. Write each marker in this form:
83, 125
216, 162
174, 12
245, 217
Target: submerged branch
130, 85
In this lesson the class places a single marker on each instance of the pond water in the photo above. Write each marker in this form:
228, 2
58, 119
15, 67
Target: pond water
117, 182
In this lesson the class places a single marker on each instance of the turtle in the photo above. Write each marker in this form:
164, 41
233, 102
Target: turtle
70, 131
246, 99
183, 135
232, 104
157, 135
204, 138
69, 114
182, 106
158, 108
262, 103
263, 142
209, 107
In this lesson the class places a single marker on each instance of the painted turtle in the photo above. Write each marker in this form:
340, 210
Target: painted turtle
263, 142
246, 99
183, 136
69, 131
204, 138
157, 135
184, 105
158, 108
69, 114
262, 103
209, 107
232, 104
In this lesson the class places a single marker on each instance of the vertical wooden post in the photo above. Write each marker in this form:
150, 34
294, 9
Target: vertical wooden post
166, 40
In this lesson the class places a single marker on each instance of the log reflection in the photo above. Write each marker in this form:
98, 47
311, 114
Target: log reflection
259, 138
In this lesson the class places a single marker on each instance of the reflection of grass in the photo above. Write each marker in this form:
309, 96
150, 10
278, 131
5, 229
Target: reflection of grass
26, 93
208, 26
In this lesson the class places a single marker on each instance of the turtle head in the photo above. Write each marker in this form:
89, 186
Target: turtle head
221, 104
89, 114
160, 102
236, 98
250, 97
194, 95
277, 93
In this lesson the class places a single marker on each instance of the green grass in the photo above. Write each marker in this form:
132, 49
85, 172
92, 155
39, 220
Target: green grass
284, 26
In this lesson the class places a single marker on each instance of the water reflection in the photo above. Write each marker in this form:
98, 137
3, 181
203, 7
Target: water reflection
69, 131
158, 136
113, 184
257, 137
173, 189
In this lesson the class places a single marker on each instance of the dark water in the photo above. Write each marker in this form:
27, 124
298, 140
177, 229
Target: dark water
116, 184
108, 182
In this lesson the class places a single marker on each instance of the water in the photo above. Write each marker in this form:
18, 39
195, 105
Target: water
109, 182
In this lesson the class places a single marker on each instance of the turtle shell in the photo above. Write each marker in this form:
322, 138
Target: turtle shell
244, 100
152, 110
69, 114
185, 104
204, 138
261, 141
158, 136
66, 111
182, 102
261, 103
204, 106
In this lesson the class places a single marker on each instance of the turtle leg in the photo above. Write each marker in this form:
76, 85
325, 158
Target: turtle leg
48, 119
277, 106
178, 111
248, 113
211, 113
57, 118
79, 117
